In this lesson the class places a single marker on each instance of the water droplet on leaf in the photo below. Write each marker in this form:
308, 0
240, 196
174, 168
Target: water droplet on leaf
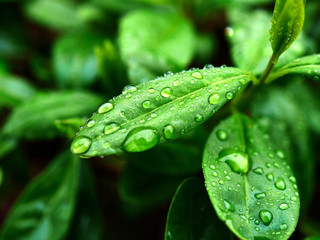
283, 206
265, 216
81, 145
237, 161
141, 139
197, 75
270, 176
222, 135
91, 123
111, 128
261, 195
229, 95
280, 183
146, 104
258, 170
229, 206
106, 107
166, 92
168, 132
214, 98
198, 118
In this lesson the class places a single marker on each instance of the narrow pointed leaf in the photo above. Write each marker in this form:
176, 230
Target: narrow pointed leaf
45, 207
287, 22
191, 214
250, 185
308, 66
158, 111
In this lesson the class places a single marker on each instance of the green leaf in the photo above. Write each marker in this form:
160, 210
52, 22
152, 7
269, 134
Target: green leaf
34, 119
287, 22
156, 41
308, 66
249, 40
191, 214
56, 14
70, 126
312, 238
250, 185
14, 90
74, 61
290, 105
158, 111
45, 207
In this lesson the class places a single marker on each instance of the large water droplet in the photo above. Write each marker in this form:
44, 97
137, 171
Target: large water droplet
168, 131
166, 92
266, 217
81, 145
280, 183
129, 89
146, 104
283, 206
106, 107
214, 98
111, 128
237, 161
198, 118
261, 195
197, 75
141, 139
222, 135
229, 206
91, 123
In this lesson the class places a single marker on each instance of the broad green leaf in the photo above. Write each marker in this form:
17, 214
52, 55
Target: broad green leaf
87, 221
141, 189
56, 14
191, 215
14, 90
74, 61
308, 66
290, 104
287, 22
249, 40
35, 118
45, 208
70, 126
156, 41
250, 185
158, 111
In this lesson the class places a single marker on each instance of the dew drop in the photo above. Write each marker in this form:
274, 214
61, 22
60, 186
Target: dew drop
283, 226
265, 216
261, 195
140, 139
106, 144
197, 75
222, 135
270, 176
229, 206
106, 107
151, 90
168, 131
256, 222
111, 128
280, 183
214, 98
166, 92
198, 118
81, 145
129, 89
258, 170
292, 179
229, 95
146, 104
91, 123
237, 161
208, 66
293, 198
280, 154
283, 206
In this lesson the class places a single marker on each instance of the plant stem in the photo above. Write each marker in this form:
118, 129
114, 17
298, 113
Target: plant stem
267, 71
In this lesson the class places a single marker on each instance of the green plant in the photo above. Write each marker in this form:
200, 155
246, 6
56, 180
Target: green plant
252, 126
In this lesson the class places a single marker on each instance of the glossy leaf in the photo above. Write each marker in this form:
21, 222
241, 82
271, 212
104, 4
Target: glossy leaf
287, 22
45, 208
250, 185
308, 66
14, 90
74, 61
155, 41
249, 40
158, 111
191, 214
34, 119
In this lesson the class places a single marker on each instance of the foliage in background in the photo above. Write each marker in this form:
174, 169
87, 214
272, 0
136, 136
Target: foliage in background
62, 59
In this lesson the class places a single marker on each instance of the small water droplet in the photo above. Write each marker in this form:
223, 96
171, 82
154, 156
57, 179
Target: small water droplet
229, 95
229, 206
237, 161
91, 123
129, 89
81, 145
106, 144
283, 206
140, 139
151, 90
176, 83
122, 114
292, 179
168, 131
266, 217
106, 107
270, 176
146, 104
111, 128
222, 135
197, 75
214, 98
166, 92
257, 229
293, 198
283, 226
258, 170
280, 183
256, 222
261, 195
212, 167
198, 118
280, 154
268, 165
208, 66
